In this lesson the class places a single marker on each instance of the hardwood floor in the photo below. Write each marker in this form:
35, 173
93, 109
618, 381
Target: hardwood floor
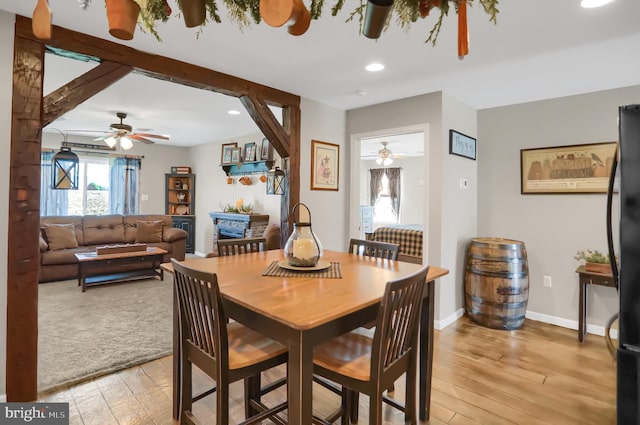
539, 374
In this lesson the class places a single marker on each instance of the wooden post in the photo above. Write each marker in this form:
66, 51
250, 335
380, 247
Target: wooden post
24, 221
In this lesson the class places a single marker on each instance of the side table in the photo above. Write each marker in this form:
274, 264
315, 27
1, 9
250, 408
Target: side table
589, 278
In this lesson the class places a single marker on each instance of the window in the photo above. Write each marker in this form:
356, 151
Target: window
93, 195
385, 195
382, 210
108, 185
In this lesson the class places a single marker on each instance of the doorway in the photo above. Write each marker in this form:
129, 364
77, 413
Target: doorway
407, 148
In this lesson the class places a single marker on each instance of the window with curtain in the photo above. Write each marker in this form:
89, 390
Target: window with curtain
125, 185
107, 186
385, 194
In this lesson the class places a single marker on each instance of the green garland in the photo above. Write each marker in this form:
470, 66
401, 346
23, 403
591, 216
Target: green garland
245, 12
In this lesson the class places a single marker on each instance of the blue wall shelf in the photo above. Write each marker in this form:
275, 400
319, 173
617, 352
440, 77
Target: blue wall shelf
244, 168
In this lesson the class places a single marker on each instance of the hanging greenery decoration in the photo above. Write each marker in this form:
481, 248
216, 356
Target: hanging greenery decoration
403, 12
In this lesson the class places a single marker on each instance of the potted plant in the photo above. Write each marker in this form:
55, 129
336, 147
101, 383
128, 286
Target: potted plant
594, 261
152, 11
122, 16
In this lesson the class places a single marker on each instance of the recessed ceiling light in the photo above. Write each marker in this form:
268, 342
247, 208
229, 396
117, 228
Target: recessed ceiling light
361, 92
233, 112
374, 67
589, 4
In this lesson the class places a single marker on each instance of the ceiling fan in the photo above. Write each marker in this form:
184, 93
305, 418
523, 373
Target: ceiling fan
384, 156
124, 134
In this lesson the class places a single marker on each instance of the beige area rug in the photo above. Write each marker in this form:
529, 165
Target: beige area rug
107, 328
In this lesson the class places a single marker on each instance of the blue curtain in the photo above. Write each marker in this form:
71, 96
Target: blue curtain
124, 185
52, 201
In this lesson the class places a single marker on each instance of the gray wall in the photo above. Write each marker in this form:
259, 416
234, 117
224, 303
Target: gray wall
328, 208
449, 213
553, 227
6, 90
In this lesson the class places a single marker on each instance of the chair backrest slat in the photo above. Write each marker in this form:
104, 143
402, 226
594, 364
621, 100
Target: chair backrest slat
201, 314
396, 327
374, 249
241, 246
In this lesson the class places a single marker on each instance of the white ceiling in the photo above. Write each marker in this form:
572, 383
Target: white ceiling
539, 49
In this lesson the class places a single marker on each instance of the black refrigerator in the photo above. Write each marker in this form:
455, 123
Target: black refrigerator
628, 363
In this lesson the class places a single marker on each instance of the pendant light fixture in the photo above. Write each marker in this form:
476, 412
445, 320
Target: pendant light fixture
65, 168
275, 181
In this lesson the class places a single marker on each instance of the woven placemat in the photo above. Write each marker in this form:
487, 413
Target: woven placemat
333, 272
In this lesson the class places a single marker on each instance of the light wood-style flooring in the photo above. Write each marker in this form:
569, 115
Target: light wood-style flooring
539, 374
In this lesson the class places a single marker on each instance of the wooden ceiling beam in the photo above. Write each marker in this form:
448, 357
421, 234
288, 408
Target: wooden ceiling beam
92, 82
160, 66
267, 123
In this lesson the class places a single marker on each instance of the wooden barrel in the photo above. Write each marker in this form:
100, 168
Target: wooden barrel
496, 282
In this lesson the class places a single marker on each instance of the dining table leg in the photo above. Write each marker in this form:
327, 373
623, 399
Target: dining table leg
426, 352
300, 380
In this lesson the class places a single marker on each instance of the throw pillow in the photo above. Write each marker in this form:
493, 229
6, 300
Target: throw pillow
61, 236
148, 231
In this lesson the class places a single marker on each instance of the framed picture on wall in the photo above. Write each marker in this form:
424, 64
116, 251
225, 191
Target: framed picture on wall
266, 152
567, 169
325, 165
462, 145
236, 155
226, 153
249, 152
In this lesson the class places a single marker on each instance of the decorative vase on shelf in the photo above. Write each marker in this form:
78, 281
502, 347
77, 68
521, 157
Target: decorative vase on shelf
303, 249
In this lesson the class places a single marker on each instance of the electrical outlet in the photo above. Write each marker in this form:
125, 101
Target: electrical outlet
547, 281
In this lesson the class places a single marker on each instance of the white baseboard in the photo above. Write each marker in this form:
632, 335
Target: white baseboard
570, 324
199, 254
441, 324
3, 398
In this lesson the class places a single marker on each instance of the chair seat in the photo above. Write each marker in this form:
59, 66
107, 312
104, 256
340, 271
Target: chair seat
248, 347
348, 355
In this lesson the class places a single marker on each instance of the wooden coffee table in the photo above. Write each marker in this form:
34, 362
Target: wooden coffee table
91, 266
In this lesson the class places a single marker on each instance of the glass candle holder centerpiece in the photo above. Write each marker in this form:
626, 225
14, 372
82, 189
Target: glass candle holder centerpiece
303, 249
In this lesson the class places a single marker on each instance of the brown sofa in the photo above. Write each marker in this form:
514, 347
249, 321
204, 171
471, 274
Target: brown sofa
58, 245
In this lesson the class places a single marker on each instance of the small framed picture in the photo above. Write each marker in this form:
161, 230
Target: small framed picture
177, 184
325, 165
462, 145
236, 155
249, 152
266, 151
226, 152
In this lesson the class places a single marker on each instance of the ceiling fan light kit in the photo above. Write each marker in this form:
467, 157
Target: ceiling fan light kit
123, 134
385, 156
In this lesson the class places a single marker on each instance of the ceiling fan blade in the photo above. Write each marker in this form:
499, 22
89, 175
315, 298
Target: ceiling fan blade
155, 136
141, 139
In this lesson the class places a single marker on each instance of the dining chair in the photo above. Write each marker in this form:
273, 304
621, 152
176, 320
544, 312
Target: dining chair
241, 246
361, 364
375, 249
227, 352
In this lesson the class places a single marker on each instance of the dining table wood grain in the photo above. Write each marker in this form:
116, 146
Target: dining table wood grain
301, 312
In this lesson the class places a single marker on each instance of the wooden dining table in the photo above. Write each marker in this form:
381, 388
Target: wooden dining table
301, 312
